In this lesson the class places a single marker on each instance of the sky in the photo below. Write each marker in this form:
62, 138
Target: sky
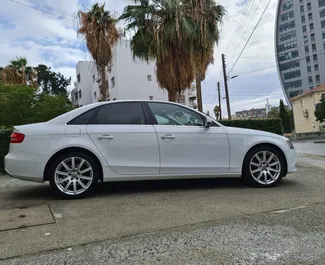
50, 38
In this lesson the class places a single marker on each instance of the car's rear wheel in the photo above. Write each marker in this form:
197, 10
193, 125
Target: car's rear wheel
264, 166
73, 175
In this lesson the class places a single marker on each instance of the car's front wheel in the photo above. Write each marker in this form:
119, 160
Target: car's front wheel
73, 175
264, 166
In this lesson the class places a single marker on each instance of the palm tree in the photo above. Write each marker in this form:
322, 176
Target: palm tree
208, 15
99, 30
164, 32
20, 64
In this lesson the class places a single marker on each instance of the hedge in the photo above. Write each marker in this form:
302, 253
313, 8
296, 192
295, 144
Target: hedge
268, 125
4, 145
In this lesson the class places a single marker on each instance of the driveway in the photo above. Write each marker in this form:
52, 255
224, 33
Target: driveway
211, 221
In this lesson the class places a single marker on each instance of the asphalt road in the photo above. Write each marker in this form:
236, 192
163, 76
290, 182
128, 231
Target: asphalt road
205, 222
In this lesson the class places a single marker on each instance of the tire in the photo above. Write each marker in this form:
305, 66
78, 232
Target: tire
70, 181
264, 172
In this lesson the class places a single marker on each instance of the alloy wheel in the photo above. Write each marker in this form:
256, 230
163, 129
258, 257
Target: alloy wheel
265, 167
73, 175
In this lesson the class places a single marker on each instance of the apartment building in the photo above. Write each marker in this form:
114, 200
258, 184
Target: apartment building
251, 114
300, 45
128, 78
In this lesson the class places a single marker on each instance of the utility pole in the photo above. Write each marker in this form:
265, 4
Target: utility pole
226, 85
219, 96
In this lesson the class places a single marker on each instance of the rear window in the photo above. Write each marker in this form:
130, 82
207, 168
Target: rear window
84, 118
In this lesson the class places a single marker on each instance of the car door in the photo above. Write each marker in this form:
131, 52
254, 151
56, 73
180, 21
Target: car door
121, 133
186, 145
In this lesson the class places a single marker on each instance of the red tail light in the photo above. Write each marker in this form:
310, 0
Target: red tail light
17, 138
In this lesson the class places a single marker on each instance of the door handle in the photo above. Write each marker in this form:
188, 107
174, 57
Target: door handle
168, 136
106, 137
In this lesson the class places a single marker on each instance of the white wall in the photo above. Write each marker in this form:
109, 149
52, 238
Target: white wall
131, 76
85, 69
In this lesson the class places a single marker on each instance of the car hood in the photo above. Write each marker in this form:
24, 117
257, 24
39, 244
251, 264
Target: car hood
242, 131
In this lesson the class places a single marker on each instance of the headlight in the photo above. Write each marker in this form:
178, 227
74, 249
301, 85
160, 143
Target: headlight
290, 144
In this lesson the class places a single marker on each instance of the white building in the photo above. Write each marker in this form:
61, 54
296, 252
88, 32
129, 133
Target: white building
129, 78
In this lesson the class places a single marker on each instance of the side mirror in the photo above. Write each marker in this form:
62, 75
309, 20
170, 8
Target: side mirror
207, 122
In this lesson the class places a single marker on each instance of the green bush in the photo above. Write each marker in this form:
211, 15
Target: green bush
4, 145
268, 125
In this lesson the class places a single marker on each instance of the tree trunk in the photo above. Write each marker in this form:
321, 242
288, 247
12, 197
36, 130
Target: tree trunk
104, 84
198, 91
172, 96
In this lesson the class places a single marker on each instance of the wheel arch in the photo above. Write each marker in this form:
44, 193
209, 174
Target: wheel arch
72, 149
267, 145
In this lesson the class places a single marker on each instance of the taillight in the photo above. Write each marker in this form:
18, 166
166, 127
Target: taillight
17, 138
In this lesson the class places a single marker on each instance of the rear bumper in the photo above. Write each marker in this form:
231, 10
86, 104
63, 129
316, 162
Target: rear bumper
25, 167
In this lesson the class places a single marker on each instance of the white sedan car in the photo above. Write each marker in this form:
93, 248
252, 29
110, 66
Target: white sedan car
142, 140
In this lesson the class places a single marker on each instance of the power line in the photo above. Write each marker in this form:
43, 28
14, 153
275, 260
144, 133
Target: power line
238, 34
251, 18
42, 10
253, 71
258, 22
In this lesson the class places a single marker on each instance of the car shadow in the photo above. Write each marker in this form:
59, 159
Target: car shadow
44, 193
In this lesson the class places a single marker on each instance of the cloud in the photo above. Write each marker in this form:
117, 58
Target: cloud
52, 40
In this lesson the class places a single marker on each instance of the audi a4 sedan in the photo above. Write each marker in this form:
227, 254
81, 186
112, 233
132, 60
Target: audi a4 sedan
142, 140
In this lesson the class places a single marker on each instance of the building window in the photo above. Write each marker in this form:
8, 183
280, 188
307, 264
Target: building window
321, 3
287, 5
322, 24
95, 94
79, 93
304, 29
292, 84
313, 46
113, 82
288, 55
287, 46
94, 78
286, 26
287, 16
310, 16
151, 97
78, 78
317, 78
307, 59
312, 37
309, 69
322, 13
292, 74
288, 35
308, 7
303, 19
315, 58
311, 26
302, 9
289, 65
306, 49
149, 78
310, 80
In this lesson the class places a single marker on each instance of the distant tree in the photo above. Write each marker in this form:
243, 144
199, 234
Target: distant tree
21, 104
274, 113
216, 111
320, 111
50, 81
284, 116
